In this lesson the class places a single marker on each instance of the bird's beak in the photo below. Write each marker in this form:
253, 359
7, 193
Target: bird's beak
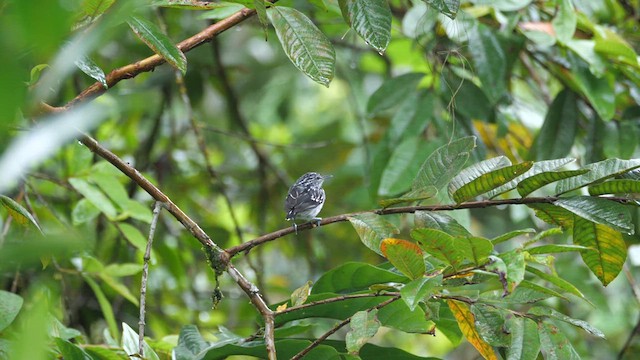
325, 177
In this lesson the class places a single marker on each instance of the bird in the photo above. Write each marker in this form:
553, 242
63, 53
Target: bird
305, 199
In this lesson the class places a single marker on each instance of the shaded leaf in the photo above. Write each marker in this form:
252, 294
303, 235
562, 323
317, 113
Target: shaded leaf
157, 41
372, 229
105, 305
615, 186
71, 351
529, 185
554, 344
10, 305
489, 323
411, 196
305, 45
476, 249
300, 295
371, 19
600, 211
525, 344
549, 312
555, 248
558, 131
352, 277
565, 21
364, 325
190, 343
557, 281
490, 181
466, 322
261, 11
83, 211
489, 60
92, 69
94, 196
21, 215
600, 171
439, 221
511, 234
392, 92
419, 290
405, 256
553, 215
514, 260
440, 245
608, 250
444, 163
476, 170
445, 7
130, 343
537, 168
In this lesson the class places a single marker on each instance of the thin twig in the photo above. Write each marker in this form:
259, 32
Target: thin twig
341, 324
627, 344
334, 299
145, 275
233, 251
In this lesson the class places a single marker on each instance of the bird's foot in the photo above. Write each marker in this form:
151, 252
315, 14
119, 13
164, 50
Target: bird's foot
316, 221
295, 228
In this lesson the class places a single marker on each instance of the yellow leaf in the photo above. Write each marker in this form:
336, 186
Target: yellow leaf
466, 322
281, 307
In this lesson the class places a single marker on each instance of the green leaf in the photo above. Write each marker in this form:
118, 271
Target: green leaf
537, 168
133, 235
119, 287
305, 45
372, 229
554, 344
445, 7
555, 248
92, 69
94, 196
419, 290
600, 211
600, 171
559, 129
352, 277
398, 316
300, 295
371, 19
411, 196
405, 159
261, 11
565, 21
529, 185
71, 351
84, 211
157, 41
444, 163
557, 281
392, 92
188, 4
440, 221
113, 188
489, 323
57, 329
511, 234
10, 305
467, 325
476, 170
489, 60
614, 46
552, 313
514, 260
130, 343
553, 215
608, 250
440, 245
476, 249
105, 305
364, 325
21, 215
124, 269
525, 344
405, 256
615, 186
190, 343
598, 90
489, 181
95, 8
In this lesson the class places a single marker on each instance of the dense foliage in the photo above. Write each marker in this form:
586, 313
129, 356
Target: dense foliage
482, 203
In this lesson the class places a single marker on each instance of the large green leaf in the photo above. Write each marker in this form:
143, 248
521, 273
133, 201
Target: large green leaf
537, 168
130, 343
600, 211
157, 41
439, 221
419, 290
352, 277
70, 351
565, 21
190, 343
305, 45
558, 131
489, 181
405, 255
444, 163
105, 305
364, 325
490, 324
392, 92
21, 215
598, 90
10, 305
94, 196
608, 251
599, 171
466, 322
371, 19
554, 215
531, 184
405, 159
552, 313
554, 344
442, 246
612, 45
615, 186
445, 7
525, 344
372, 229
476, 170
489, 60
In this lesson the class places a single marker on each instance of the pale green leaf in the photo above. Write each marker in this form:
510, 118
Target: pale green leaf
371, 19
157, 41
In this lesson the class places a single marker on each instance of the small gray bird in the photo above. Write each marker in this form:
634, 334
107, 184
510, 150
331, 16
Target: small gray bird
305, 199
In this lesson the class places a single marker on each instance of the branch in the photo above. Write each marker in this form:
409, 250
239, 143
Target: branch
233, 251
145, 274
334, 299
150, 63
324, 336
